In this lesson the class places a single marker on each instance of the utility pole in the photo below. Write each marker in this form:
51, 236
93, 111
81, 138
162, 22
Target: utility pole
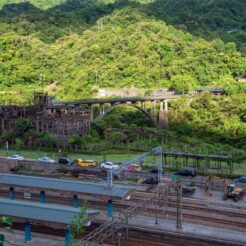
179, 203
110, 178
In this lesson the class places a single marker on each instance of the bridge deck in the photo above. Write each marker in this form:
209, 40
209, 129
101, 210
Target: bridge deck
119, 100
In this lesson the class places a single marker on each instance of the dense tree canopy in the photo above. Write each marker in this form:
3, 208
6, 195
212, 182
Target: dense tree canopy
220, 117
72, 48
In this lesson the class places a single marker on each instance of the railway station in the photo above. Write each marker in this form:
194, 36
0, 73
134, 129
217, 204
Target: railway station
56, 216
121, 212
43, 186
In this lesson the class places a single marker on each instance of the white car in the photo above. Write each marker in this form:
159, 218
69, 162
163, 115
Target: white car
46, 159
16, 157
109, 165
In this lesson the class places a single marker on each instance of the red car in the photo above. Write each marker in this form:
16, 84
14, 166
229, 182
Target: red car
134, 168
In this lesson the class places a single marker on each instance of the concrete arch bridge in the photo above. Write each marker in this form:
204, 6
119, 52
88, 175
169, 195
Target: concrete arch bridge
155, 108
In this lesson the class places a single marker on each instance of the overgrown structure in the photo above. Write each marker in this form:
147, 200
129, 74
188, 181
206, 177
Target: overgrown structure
46, 116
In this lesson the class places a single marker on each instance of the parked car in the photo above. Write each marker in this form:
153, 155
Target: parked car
155, 170
240, 180
46, 159
151, 180
134, 168
16, 157
109, 165
85, 163
186, 173
66, 161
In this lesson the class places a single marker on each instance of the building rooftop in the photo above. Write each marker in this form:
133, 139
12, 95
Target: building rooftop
59, 184
40, 211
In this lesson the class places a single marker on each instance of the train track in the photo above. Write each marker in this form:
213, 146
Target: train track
144, 236
193, 209
189, 201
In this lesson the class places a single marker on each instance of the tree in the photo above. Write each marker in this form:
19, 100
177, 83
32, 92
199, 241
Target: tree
75, 140
183, 83
47, 139
113, 120
77, 226
8, 136
99, 126
22, 126
18, 143
4, 222
115, 137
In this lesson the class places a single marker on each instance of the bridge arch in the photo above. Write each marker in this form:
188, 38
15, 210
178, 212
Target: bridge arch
100, 116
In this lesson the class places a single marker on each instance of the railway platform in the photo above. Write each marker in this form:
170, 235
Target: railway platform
30, 212
190, 230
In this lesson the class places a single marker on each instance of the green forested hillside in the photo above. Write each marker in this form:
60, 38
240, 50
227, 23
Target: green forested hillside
78, 46
207, 18
221, 119
42, 4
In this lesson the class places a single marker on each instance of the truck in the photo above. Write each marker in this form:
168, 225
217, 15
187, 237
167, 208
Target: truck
234, 192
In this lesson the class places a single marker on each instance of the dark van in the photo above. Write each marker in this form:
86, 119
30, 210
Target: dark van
64, 160
186, 173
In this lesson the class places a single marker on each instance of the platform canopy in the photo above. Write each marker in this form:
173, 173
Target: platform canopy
42, 212
60, 184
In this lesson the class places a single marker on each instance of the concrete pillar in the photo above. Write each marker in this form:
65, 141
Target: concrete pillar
110, 208
42, 197
144, 105
11, 193
163, 116
152, 108
163, 119
28, 233
102, 109
68, 237
166, 105
92, 113
75, 201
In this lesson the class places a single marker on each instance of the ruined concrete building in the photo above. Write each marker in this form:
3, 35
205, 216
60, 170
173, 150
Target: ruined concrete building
46, 116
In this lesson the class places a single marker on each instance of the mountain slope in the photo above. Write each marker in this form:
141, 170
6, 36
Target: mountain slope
79, 46
208, 18
51, 19
126, 49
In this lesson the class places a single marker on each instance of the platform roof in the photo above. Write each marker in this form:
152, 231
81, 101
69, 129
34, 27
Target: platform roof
40, 211
60, 184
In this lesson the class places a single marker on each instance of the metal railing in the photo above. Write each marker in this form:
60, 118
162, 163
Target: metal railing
120, 222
